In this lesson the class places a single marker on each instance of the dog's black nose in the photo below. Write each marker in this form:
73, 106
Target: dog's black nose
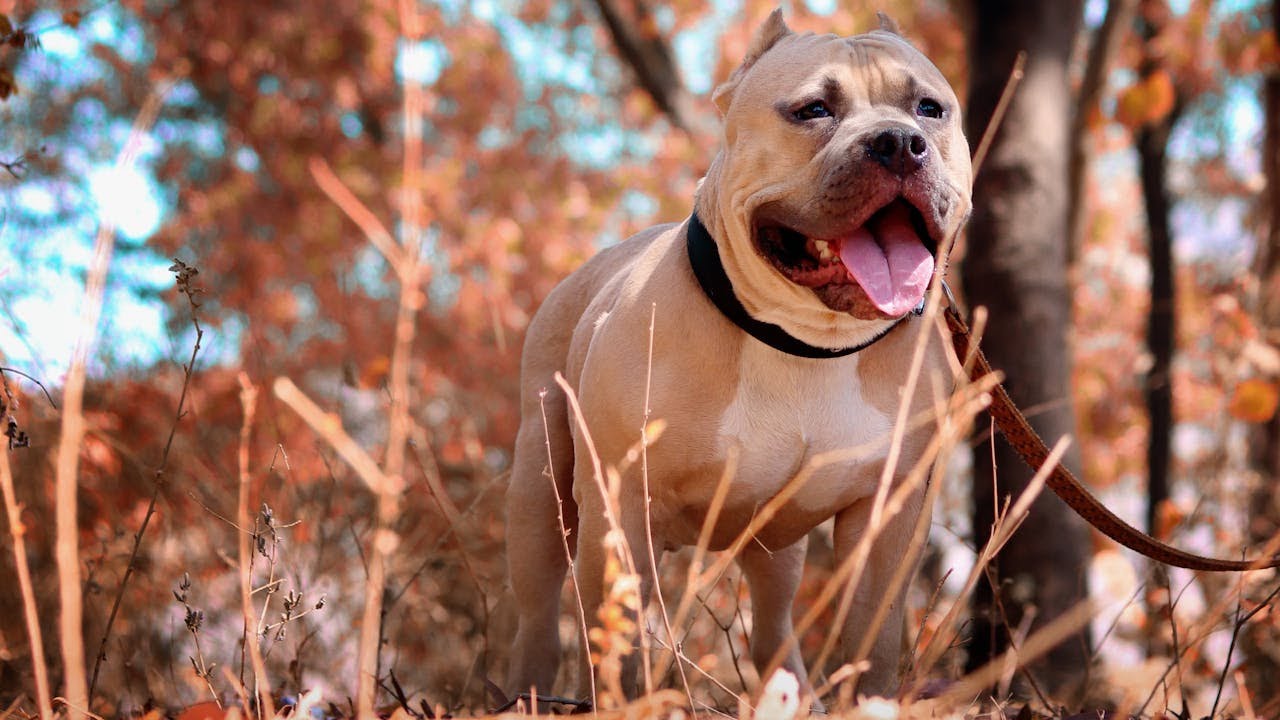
899, 149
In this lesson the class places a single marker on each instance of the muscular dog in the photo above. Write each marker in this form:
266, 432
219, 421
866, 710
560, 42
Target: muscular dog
782, 328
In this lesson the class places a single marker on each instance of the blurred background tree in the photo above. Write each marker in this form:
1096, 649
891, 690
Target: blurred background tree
1016, 264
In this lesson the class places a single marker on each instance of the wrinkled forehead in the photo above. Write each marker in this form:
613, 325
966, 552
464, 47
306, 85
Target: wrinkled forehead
878, 62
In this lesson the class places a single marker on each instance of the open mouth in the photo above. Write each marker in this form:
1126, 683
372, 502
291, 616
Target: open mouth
888, 261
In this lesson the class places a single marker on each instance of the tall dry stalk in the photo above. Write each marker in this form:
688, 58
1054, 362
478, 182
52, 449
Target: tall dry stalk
405, 259
67, 543
648, 522
251, 636
17, 533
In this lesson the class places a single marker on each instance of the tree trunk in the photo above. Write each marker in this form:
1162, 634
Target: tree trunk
1161, 322
1153, 143
1016, 266
1259, 644
1265, 448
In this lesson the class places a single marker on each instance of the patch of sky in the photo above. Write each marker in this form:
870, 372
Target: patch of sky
696, 64
492, 138
533, 117
50, 221
112, 25
452, 9
1213, 234
548, 55
1230, 7
421, 61
1245, 125
369, 272
638, 205
60, 41
1094, 12
307, 303
563, 64
268, 84
60, 251
599, 147
442, 289
821, 7
127, 198
133, 328
142, 270
246, 159
693, 45
1226, 126
37, 198
182, 94
351, 125
208, 139
41, 341
665, 18
485, 10
220, 346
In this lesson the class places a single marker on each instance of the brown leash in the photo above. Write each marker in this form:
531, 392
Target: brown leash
1019, 433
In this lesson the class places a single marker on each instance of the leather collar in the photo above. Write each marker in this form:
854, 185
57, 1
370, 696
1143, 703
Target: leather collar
704, 256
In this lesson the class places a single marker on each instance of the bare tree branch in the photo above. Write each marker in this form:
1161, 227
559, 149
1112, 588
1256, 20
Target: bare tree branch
649, 54
1102, 53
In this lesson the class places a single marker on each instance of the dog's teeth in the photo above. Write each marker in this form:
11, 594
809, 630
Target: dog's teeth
824, 250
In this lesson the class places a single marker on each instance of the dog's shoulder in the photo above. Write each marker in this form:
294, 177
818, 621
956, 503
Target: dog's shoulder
605, 268
589, 290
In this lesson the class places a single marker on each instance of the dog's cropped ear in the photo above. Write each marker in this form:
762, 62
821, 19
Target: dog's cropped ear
773, 30
888, 24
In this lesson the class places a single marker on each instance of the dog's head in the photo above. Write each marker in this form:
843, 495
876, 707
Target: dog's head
844, 168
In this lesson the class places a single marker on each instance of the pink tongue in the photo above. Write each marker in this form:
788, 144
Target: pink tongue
893, 272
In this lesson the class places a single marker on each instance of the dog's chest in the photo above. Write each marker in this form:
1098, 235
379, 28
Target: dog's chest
788, 414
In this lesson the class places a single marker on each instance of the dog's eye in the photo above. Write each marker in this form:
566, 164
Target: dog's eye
813, 111
929, 108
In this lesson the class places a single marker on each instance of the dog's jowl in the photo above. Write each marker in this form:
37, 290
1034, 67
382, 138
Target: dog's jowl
783, 327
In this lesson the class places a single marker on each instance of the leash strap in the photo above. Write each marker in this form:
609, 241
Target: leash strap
1033, 450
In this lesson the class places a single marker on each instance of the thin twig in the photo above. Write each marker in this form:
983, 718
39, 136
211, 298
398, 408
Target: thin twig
577, 705
1040, 642
997, 115
1202, 629
1002, 529
1235, 635
39, 384
564, 541
1015, 639
184, 275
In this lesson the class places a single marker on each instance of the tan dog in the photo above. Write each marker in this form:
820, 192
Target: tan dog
843, 168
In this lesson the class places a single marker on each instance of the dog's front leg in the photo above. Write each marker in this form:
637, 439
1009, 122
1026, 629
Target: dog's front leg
888, 552
539, 500
623, 597
773, 577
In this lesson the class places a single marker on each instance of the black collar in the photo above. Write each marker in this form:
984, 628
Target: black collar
705, 258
